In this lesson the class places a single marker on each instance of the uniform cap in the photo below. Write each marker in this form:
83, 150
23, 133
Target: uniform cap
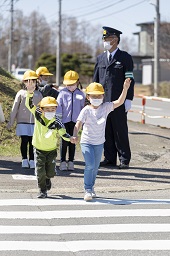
94, 88
43, 71
70, 77
107, 31
48, 102
29, 74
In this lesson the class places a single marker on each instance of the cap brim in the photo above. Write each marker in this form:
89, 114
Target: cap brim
96, 92
48, 105
69, 82
47, 74
31, 77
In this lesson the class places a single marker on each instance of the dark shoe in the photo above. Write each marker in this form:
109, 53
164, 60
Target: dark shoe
106, 162
123, 166
48, 184
42, 194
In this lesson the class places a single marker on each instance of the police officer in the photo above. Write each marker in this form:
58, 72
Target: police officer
111, 69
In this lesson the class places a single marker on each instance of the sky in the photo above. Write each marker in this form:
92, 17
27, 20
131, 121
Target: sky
120, 14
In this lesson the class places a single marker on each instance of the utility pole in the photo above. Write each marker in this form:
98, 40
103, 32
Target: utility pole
58, 48
156, 49
10, 39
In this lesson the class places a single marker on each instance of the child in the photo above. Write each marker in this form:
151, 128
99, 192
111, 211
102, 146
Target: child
25, 120
71, 100
46, 88
44, 138
93, 118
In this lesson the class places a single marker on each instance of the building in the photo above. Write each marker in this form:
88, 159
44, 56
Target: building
144, 58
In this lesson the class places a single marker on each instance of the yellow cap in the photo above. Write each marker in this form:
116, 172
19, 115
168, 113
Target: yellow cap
29, 74
48, 102
94, 88
70, 77
43, 71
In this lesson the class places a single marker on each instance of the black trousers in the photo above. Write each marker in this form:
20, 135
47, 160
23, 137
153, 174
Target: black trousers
26, 145
116, 134
65, 144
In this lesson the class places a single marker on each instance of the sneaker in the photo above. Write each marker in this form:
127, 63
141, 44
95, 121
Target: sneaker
93, 193
48, 184
88, 196
70, 166
42, 194
25, 163
32, 164
63, 166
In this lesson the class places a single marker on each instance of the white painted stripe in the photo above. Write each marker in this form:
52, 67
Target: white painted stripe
73, 229
83, 214
59, 201
146, 107
85, 245
24, 177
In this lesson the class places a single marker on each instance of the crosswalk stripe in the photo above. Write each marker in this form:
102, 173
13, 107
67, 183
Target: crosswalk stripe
85, 245
73, 229
83, 214
97, 201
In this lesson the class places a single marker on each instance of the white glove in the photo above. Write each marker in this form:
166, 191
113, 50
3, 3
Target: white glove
128, 104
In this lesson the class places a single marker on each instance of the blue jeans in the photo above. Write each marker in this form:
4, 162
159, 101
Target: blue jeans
92, 155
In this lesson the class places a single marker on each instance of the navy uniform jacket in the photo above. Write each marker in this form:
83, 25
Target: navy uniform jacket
112, 75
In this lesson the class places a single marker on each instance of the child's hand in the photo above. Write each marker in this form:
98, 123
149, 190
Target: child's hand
74, 140
30, 85
127, 84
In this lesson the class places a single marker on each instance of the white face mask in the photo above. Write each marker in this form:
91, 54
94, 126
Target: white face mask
72, 88
43, 82
107, 45
96, 102
49, 115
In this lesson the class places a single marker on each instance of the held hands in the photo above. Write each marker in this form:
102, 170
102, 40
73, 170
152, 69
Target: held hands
30, 85
74, 140
126, 84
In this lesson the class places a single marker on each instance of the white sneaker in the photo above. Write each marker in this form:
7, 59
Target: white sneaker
70, 166
63, 166
32, 164
93, 194
88, 196
25, 163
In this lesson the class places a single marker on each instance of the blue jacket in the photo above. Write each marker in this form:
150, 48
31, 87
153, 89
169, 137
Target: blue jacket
112, 75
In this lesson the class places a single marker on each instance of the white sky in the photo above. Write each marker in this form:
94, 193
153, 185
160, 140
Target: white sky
120, 14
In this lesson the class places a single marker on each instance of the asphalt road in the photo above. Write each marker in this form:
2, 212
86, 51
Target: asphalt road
130, 216
156, 112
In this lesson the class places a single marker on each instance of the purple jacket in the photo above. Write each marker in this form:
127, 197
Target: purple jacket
70, 104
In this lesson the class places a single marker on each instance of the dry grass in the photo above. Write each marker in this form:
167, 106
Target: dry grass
145, 90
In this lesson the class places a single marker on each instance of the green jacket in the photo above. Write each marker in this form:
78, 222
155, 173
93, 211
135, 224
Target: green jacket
45, 131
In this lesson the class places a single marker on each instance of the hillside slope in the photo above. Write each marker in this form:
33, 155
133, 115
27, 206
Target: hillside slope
9, 86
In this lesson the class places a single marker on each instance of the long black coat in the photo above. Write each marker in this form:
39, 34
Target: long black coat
112, 75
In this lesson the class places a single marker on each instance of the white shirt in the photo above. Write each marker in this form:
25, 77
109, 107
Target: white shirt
94, 121
112, 53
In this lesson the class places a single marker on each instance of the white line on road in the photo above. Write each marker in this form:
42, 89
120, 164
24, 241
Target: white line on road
146, 107
94, 245
73, 229
83, 214
59, 201
24, 177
